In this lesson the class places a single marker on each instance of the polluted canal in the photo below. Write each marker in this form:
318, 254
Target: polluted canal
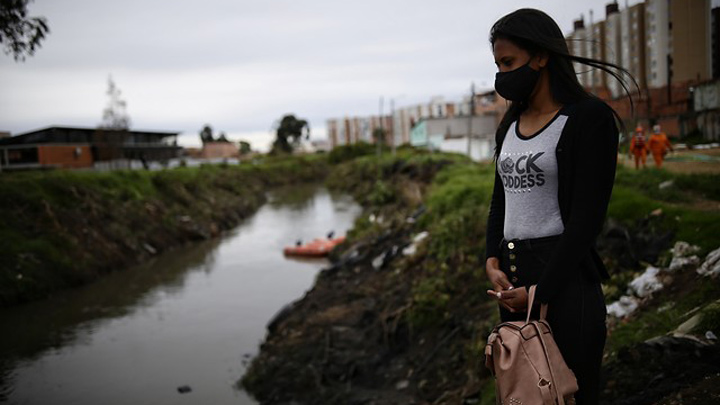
187, 321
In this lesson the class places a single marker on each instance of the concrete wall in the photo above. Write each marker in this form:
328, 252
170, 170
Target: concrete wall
454, 134
483, 126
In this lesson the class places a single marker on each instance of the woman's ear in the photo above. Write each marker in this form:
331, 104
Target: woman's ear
541, 59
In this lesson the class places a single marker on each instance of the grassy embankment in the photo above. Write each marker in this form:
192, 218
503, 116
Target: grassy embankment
64, 228
458, 198
447, 277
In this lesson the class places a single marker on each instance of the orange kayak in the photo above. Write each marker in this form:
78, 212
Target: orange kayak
316, 248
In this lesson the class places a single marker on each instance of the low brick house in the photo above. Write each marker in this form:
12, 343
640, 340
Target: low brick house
68, 147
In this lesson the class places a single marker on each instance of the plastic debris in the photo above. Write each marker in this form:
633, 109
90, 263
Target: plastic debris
678, 263
412, 248
711, 266
709, 335
401, 385
149, 248
378, 261
683, 249
623, 307
647, 283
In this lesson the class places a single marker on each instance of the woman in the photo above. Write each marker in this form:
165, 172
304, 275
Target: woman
555, 165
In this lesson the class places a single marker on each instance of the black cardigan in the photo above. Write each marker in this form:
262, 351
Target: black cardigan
586, 157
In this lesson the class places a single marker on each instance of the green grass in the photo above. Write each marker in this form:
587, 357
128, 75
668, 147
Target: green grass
698, 227
459, 186
349, 152
63, 228
685, 187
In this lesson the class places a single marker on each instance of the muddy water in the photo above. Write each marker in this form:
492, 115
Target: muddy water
190, 317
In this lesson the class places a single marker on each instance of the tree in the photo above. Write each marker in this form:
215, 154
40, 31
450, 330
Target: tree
114, 115
289, 133
222, 138
20, 34
113, 130
244, 147
206, 134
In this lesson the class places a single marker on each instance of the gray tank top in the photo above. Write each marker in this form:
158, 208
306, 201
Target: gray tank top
528, 169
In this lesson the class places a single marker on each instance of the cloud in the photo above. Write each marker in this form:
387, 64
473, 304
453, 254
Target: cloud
241, 64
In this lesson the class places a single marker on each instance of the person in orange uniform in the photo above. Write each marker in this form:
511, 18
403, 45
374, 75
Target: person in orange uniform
659, 145
639, 147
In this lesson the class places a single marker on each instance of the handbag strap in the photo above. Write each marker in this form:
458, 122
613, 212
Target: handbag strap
543, 315
531, 300
560, 398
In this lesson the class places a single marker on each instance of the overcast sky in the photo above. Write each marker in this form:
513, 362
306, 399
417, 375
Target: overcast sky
240, 65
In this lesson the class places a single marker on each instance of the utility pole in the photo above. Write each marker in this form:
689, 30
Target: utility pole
380, 133
470, 117
382, 128
395, 129
592, 51
392, 124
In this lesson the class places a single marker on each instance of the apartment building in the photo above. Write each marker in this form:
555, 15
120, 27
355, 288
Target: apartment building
632, 34
487, 103
598, 78
405, 118
401, 124
679, 41
658, 42
588, 42
690, 40
350, 130
715, 41
612, 45
578, 45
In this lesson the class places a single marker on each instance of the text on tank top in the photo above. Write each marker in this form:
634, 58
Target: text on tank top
528, 169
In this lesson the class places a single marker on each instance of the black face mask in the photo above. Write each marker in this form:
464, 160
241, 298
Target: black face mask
516, 85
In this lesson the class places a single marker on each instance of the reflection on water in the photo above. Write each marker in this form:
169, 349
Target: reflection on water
187, 317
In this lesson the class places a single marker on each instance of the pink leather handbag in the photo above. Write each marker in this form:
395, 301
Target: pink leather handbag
527, 364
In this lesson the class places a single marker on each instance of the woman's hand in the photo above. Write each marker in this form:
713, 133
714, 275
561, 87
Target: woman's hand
499, 281
511, 298
516, 299
497, 278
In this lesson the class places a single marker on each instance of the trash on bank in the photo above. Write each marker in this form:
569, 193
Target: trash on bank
623, 307
711, 266
412, 248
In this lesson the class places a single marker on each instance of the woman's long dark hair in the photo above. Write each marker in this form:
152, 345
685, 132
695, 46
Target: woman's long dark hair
536, 32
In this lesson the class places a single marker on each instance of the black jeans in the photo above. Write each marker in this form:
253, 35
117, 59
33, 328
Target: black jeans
576, 314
